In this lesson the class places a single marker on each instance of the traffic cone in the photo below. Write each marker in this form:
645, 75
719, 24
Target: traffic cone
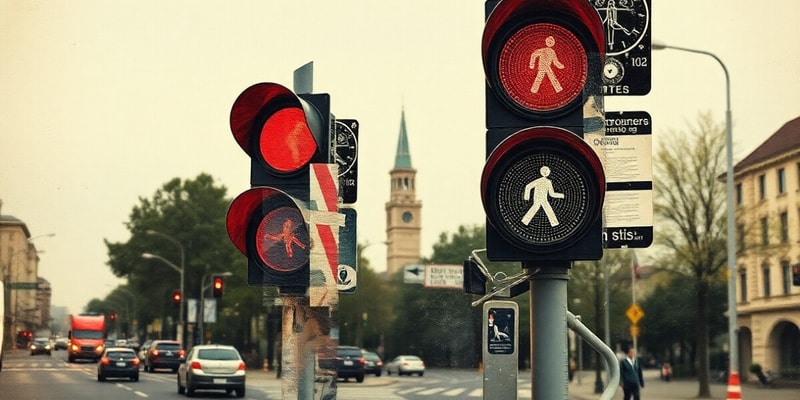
734, 388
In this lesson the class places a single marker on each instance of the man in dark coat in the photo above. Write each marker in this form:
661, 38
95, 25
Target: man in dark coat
631, 379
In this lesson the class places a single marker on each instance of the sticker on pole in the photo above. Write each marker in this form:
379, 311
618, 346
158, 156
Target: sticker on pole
501, 331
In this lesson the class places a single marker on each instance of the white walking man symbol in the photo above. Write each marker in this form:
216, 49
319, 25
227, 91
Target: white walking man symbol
547, 57
542, 189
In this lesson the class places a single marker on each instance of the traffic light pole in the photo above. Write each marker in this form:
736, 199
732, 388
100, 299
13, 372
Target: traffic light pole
302, 338
548, 308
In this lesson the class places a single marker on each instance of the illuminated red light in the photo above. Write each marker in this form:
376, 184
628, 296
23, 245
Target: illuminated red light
286, 143
543, 67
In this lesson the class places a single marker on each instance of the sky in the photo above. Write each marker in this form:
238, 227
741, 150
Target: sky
103, 102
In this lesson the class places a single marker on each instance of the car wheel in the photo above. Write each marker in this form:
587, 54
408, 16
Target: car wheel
378, 374
240, 392
388, 372
181, 389
100, 378
189, 388
135, 378
421, 373
360, 378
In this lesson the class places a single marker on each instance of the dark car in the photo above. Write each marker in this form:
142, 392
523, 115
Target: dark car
41, 346
164, 354
374, 363
212, 367
118, 362
350, 363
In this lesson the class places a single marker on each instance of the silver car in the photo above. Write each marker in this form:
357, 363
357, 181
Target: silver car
214, 367
406, 365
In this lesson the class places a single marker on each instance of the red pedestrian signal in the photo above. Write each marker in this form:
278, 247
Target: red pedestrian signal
217, 286
542, 186
177, 296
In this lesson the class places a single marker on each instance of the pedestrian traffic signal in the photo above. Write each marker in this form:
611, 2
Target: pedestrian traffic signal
177, 296
542, 186
217, 286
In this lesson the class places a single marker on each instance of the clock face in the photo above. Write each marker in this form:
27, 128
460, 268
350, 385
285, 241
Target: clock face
625, 23
407, 216
346, 147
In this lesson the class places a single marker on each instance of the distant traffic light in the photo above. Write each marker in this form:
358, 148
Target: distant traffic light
176, 297
113, 316
217, 286
542, 186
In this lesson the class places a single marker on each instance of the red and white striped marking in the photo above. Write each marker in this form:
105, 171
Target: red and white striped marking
325, 220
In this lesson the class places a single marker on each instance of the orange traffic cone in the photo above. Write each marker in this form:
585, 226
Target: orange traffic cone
734, 388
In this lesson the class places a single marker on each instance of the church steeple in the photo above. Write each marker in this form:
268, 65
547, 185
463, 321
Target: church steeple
403, 210
402, 159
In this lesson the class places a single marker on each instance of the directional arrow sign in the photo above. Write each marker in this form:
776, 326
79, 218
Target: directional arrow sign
414, 273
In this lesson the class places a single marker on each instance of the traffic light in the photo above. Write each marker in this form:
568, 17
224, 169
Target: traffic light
283, 133
113, 316
176, 297
217, 286
796, 275
542, 186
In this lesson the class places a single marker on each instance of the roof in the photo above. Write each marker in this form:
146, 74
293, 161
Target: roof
402, 159
785, 140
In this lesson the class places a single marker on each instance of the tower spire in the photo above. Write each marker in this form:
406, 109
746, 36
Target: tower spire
402, 159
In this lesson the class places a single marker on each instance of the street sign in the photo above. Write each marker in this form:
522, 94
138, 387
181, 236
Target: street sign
634, 313
627, 69
635, 331
628, 149
444, 276
414, 273
346, 279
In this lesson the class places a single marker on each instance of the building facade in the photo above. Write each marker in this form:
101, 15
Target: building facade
403, 210
19, 269
767, 198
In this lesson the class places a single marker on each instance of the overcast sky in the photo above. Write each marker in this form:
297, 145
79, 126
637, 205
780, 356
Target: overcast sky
101, 102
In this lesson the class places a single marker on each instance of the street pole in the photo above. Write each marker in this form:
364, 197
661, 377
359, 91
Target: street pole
731, 245
180, 270
548, 308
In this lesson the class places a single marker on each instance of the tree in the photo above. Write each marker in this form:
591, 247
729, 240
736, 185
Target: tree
689, 204
192, 212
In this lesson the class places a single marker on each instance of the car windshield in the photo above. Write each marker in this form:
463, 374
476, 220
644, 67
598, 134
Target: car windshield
120, 354
218, 354
84, 334
40, 341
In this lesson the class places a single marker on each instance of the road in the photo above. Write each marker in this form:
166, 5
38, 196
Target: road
51, 377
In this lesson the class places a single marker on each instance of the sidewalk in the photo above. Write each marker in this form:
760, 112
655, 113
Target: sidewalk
679, 389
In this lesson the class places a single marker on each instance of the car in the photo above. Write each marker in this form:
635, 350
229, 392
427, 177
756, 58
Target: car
212, 367
118, 362
41, 345
61, 343
350, 363
164, 354
374, 364
406, 365
142, 353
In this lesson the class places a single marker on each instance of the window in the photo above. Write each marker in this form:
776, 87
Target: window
781, 181
765, 275
762, 189
764, 231
740, 237
786, 273
738, 194
743, 285
784, 227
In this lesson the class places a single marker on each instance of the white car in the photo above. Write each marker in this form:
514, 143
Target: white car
212, 366
406, 365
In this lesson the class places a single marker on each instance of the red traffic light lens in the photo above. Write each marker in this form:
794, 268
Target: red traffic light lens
542, 67
282, 239
286, 143
217, 283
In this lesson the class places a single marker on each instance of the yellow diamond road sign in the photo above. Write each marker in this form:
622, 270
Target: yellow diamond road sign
634, 313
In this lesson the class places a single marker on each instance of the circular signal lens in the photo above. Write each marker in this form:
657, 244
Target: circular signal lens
286, 144
542, 67
282, 239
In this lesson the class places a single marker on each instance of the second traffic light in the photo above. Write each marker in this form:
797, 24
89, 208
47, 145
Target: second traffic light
542, 186
217, 286
177, 296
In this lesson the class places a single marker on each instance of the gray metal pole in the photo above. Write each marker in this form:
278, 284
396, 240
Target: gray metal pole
549, 375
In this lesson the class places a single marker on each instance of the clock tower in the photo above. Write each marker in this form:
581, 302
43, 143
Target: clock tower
403, 210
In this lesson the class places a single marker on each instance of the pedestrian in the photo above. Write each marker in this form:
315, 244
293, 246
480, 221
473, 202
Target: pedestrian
631, 378
666, 371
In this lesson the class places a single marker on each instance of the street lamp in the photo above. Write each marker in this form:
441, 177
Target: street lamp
201, 310
183, 295
734, 340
